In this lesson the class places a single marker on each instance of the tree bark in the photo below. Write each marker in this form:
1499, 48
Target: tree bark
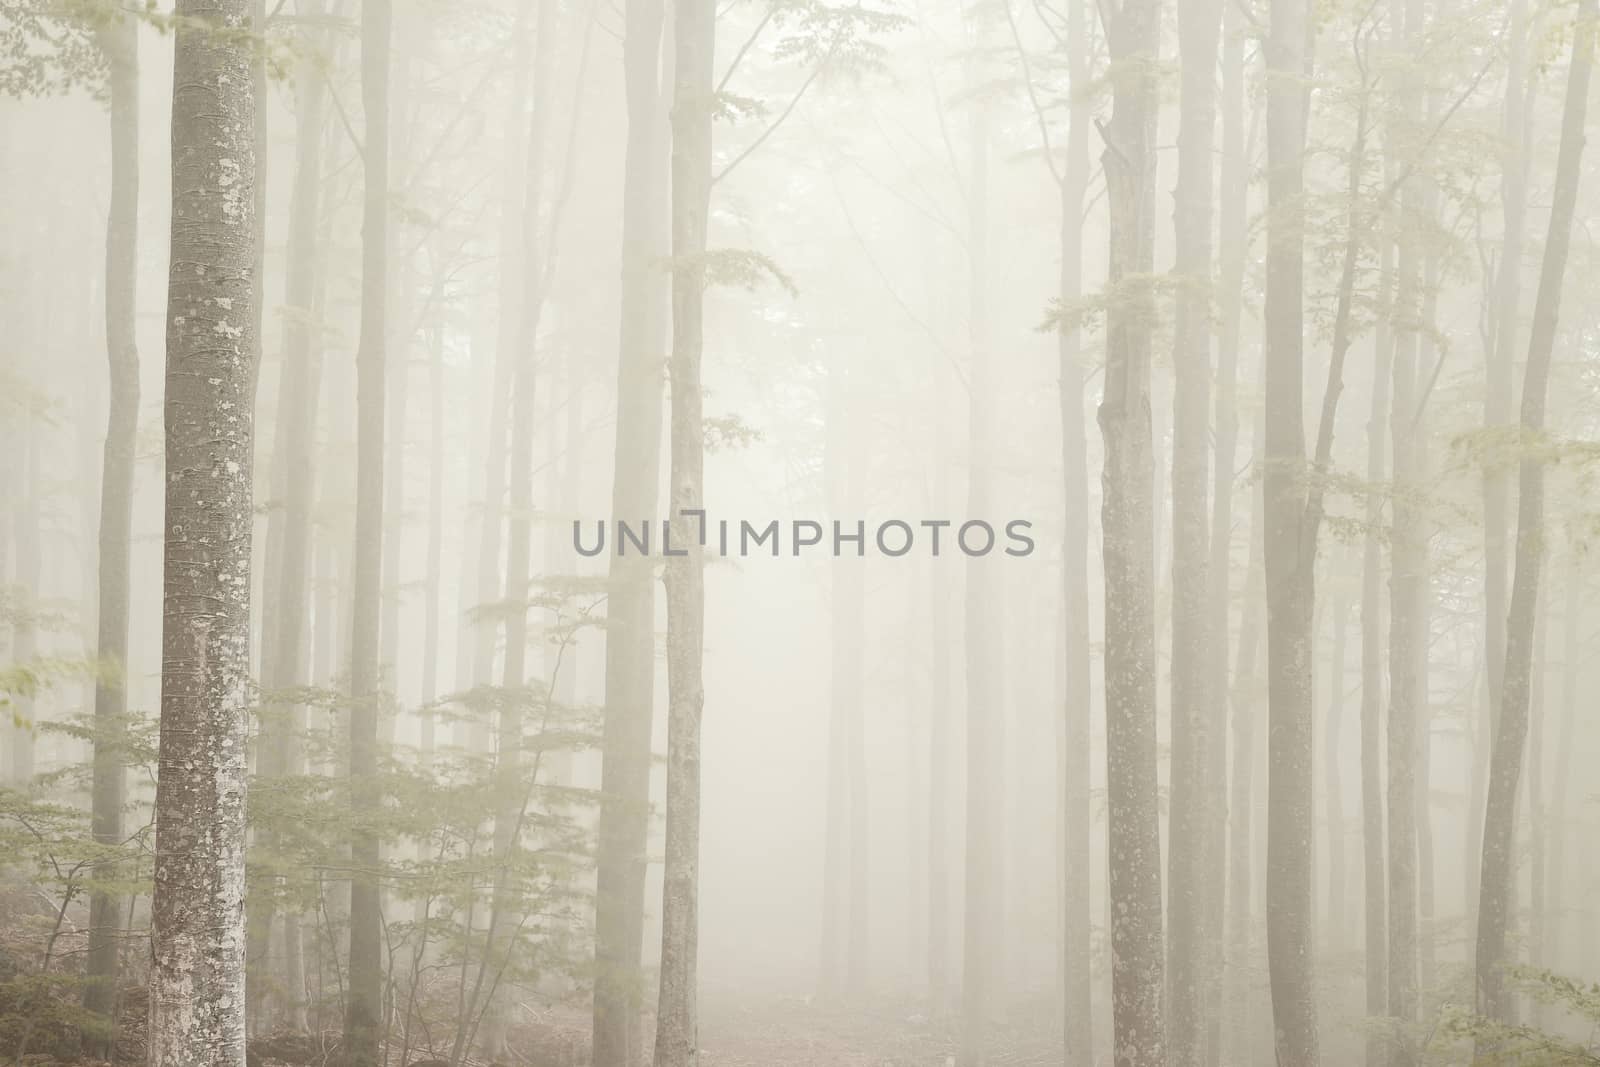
1127, 526
677, 1019
363, 1024
197, 977
1194, 802
1290, 551
631, 609
1505, 762
120, 43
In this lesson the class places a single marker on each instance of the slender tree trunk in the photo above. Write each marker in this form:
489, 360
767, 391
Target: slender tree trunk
1289, 555
1499, 386
1571, 651
1234, 230
120, 43
25, 634
1511, 731
677, 1017
519, 547
1245, 706
1333, 779
1194, 803
1127, 534
197, 975
1078, 710
363, 1023
631, 608
1536, 810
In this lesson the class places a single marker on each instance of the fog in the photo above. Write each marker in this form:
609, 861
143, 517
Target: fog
570, 531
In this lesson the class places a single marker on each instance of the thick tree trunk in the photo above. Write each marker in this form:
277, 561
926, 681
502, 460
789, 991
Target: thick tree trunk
197, 975
1290, 551
1194, 801
363, 1024
631, 608
1511, 731
1078, 710
120, 43
677, 1017
1127, 535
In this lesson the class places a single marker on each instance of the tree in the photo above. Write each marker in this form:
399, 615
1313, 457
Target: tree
1511, 729
1289, 553
1193, 841
677, 1019
197, 977
1133, 33
119, 40
363, 1005
631, 609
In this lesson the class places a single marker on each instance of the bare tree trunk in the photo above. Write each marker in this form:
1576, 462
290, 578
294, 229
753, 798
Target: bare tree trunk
1245, 706
1375, 879
363, 1023
1289, 555
1571, 651
519, 545
677, 1017
25, 634
1194, 802
1512, 728
1499, 387
631, 608
197, 976
1078, 710
120, 43
1333, 779
1127, 534
1536, 809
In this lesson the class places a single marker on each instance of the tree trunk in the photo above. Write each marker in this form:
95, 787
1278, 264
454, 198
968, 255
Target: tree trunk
1127, 535
1505, 762
363, 1024
197, 975
1289, 555
1194, 802
677, 1018
1499, 386
1245, 705
1234, 229
631, 608
120, 43
1333, 779
1571, 651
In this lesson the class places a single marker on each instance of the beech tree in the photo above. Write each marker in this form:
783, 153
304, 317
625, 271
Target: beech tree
197, 922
